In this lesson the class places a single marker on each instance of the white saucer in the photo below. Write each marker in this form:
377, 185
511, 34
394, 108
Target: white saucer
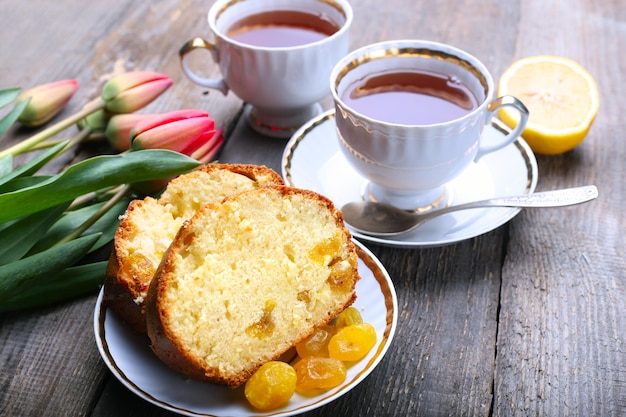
130, 359
312, 160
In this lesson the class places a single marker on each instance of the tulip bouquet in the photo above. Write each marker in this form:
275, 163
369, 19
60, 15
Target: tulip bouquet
51, 226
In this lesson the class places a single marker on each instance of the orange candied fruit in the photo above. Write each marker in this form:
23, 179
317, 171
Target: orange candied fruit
317, 343
319, 373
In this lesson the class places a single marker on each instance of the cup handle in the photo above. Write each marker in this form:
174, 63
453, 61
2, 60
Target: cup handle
199, 43
492, 109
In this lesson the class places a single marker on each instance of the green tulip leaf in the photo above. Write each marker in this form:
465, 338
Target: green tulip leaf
8, 95
91, 175
18, 238
7, 121
22, 182
65, 285
32, 166
6, 165
106, 225
31, 271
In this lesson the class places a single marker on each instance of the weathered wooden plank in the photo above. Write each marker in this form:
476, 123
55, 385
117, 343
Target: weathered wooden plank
49, 364
561, 336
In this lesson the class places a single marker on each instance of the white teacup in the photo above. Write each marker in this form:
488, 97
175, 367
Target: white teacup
408, 157
282, 84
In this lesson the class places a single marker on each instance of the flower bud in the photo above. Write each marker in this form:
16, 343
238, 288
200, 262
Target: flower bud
190, 132
119, 127
207, 152
46, 101
130, 91
183, 131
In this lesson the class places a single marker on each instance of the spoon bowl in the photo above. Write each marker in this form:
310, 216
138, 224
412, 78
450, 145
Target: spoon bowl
383, 220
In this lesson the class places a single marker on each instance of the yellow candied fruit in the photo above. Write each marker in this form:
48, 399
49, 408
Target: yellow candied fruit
271, 386
317, 343
265, 325
341, 276
352, 342
323, 252
138, 262
347, 317
319, 373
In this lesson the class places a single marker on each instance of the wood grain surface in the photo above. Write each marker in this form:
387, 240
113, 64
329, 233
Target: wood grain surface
526, 320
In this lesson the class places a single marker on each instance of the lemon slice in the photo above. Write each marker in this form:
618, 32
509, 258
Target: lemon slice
561, 96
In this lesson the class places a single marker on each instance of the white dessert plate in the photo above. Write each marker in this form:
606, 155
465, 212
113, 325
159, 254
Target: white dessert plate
312, 160
130, 359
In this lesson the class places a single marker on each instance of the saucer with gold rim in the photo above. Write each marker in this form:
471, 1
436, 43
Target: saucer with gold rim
313, 160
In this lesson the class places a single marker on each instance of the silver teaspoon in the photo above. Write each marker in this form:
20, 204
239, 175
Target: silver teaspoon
379, 219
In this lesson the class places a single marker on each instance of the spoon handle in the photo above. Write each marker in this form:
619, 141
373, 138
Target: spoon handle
555, 198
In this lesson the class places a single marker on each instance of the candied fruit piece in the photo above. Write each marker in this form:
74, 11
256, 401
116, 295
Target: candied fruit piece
347, 317
319, 373
323, 252
317, 343
138, 263
353, 342
271, 386
265, 325
304, 296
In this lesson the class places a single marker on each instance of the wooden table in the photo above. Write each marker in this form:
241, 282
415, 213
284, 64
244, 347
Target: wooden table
528, 319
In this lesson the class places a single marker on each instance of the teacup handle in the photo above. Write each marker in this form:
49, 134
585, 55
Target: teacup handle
199, 43
492, 109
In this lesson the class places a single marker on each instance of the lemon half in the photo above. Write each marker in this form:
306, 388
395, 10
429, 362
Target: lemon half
561, 96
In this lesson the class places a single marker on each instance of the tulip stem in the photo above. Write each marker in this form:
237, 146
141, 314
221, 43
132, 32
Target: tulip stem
34, 140
121, 192
93, 136
77, 139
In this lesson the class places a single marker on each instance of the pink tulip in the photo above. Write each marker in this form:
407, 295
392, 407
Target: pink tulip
206, 153
119, 127
191, 132
130, 91
46, 101
184, 131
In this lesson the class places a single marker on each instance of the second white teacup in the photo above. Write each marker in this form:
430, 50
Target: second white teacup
276, 55
409, 116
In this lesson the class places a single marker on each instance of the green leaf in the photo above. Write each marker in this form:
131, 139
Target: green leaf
19, 276
32, 166
17, 239
92, 175
69, 283
6, 165
106, 225
7, 95
11, 117
17, 184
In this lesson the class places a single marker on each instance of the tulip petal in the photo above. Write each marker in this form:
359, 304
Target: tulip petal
179, 135
119, 127
47, 100
130, 91
128, 80
208, 151
165, 118
137, 97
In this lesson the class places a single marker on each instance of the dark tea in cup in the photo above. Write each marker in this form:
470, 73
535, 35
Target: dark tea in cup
281, 28
276, 56
410, 97
410, 115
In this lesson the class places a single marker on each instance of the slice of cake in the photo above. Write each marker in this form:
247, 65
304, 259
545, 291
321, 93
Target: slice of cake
149, 226
246, 279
